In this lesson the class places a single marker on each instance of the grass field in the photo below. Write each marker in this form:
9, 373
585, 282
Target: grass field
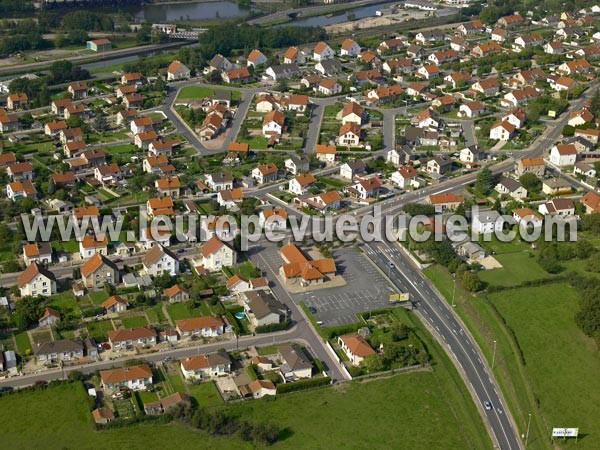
516, 268
178, 311
134, 321
99, 330
190, 92
557, 356
562, 363
205, 393
22, 342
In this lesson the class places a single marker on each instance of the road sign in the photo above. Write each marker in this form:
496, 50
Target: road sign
399, 297
565, 432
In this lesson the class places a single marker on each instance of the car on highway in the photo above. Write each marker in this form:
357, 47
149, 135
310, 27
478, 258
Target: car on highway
487, 405
391, 265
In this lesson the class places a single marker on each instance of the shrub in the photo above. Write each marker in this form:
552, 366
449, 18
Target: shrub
272, 327
302, 385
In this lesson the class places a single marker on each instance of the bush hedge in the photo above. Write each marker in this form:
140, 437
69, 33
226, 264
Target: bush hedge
303, 384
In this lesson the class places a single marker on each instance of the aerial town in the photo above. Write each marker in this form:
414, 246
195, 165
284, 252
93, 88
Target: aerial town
137, 307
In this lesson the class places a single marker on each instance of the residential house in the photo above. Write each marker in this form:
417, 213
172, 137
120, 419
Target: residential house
485, 222
502, 130
294, 102
239, 75
115, 304
297, 268
58, 351
258, 389
265, 173
20, 189
300, 183
349, 48
297, 164
486, 49
323, 203
216, 254
446, 200
178, 71
558, 207
323, 51
487, 87
20, 171
36, 280
519, 97
580, 117
256, 58
355, 347
329, 67
526, 217
78, 90
272, 125
472, 109
530, 165
49, 318
58, 106
273, 218
176, 294
98, 271
352, 112
262, 308
40, 252
563, 155
168, 186
364, 188
143, 140
160, 260
326, 153
516, 117
219, 63
131, 338
404, 176
591, 201
590, 134
131, 78
230, 197
283, 71
440, 165
510, 186
556, 186
295, 363
349, 135
511, 21
218, 181
352, 168
472, 154
160, 206
584, 169
136, 378
204, 326
205, 366
90, 245
329, 86
17, 101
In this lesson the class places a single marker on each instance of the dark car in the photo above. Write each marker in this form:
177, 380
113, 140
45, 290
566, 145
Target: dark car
41, 383
117, 260
6, 388
181, 250
312, 309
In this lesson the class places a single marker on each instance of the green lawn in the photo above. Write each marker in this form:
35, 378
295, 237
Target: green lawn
562, 364
71, 246
178, 311
206, 393
255, 142
65, 302
99, 330
516, 269
134, 321
97, 297
539, 323
190, 92
22, 342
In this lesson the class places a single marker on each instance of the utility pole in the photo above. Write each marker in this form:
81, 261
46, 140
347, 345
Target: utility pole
527, 432
494, 355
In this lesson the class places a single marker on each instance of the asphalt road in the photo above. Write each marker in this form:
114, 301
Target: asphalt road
441, 320
295, 333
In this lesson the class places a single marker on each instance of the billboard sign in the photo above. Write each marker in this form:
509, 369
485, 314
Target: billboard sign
400, 297
565, 432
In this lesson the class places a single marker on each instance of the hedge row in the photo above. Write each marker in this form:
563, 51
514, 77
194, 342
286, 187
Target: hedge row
303, 384
272, 327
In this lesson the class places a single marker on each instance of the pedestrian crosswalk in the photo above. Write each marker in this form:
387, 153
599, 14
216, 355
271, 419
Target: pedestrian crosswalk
376, 251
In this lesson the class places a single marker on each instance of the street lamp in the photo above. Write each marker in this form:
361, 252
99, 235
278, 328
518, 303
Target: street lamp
494, 355
453, 290
527, 432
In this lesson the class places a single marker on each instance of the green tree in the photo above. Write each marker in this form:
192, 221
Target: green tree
485, 181
531, 182
471, 281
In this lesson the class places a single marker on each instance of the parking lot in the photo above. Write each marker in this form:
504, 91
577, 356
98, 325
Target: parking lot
365, 289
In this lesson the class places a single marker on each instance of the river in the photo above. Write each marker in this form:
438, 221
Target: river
179, 12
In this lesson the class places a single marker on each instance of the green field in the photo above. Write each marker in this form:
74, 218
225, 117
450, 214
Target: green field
516, 268
190, 92
562, 364
22, 342
134, 321
99, 330
557, 357
206, 393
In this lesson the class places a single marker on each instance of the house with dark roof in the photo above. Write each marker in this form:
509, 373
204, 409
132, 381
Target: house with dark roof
130, 338
262, 308
57, 351
99, 270
295, 364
